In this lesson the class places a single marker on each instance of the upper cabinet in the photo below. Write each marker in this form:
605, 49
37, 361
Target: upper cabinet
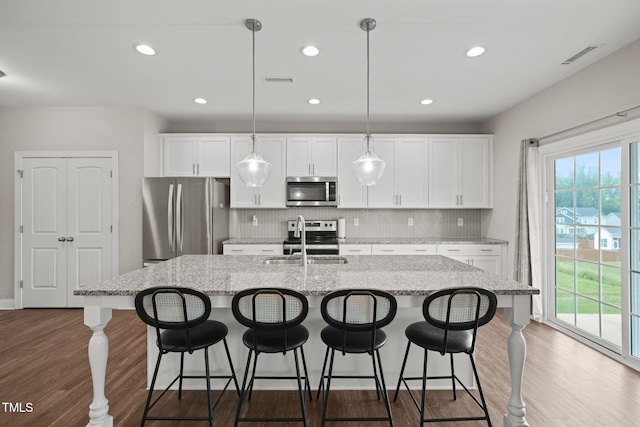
350, 193
191, 155
404, 183
271, 194
460, 172
312, 156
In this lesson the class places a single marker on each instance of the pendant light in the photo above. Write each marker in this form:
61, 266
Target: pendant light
253, 169
368, 168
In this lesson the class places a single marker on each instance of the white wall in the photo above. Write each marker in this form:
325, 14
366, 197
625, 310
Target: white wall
606, 87
121, 129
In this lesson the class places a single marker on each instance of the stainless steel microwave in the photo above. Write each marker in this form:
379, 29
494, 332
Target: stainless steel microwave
312, 191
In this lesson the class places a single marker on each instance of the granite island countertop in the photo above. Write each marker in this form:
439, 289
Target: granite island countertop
226, 275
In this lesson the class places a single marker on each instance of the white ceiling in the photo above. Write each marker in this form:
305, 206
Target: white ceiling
79, 53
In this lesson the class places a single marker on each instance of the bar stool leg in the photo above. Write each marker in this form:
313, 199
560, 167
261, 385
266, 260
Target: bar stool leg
233, 372
181, 373
324, 366
424, 386
453, 378
300, 390
306, 374
153, 383
326, 390
243, 390
208, 379
385, 396
404, 363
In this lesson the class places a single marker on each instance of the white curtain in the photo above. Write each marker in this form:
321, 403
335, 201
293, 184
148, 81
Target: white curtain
527, 256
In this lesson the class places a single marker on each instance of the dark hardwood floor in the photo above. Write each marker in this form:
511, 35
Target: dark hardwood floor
43, 361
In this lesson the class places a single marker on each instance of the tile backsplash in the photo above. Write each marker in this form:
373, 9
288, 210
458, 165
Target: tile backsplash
372, 222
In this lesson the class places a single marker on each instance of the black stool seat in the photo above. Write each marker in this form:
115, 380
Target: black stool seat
355, 342
272, 341
202, 336
425, 335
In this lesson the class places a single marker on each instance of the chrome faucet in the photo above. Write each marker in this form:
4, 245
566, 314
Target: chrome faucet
301, 232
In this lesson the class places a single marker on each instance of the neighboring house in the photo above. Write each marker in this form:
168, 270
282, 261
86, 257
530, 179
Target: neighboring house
566, 218
614, 218
607, 238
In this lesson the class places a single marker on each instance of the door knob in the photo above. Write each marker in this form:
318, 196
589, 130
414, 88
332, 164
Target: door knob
69, 239
62, 239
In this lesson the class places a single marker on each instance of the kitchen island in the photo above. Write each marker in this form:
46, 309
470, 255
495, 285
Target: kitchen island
409, 278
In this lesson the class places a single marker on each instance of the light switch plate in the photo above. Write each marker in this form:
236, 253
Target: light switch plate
410, 222
356, 222
460, 222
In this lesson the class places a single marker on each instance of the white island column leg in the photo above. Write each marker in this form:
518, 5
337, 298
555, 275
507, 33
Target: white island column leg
96, 318
518, 318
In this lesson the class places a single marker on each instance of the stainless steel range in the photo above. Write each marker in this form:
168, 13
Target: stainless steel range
322, 238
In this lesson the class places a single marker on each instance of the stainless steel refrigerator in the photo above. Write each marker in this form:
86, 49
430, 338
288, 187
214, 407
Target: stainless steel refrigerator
184, 216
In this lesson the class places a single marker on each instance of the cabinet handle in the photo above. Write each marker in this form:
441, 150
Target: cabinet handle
461, 202
457, 200
69, 239
486, 250
62, 239
267, 250
453, 250
388, 250
355, 250
198, 169
400, 199
193, 168
237, 250
422, 250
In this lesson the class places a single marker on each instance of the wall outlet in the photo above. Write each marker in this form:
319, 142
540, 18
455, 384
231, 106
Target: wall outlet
410, 222
255, 221
356, 222
460, 222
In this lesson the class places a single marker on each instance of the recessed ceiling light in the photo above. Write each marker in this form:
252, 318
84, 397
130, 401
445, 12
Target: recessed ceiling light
426, 101
314, 101
144, 49
475, 51
200, 101
309, 50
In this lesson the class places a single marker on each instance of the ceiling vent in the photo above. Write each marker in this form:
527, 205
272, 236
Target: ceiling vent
277, 79
580, 54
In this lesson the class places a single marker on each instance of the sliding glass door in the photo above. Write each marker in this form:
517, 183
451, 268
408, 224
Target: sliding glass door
587, 292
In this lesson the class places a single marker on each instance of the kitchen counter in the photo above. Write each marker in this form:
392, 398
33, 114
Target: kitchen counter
410, 278
375, 240
224, 276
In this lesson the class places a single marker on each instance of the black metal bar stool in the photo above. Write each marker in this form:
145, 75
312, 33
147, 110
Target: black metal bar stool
354, 318
180, 317
452, 318
274, 318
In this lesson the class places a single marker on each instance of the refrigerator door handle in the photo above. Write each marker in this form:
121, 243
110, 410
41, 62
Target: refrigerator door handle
179, 229
209, 207
170, 225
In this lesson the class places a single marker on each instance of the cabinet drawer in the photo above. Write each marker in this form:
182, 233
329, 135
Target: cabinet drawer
252, 250
355, 249
459, 250
426, 249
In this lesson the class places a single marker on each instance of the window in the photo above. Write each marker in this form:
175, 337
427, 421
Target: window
603, 243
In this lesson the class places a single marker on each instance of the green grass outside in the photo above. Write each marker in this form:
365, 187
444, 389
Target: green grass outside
607, 288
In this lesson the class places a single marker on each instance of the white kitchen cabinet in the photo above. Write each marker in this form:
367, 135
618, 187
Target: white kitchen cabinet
485, 257
250, 249
312, 156
350, 193
193, 155
355, 249
403, 249
460, 172
404, 183
272, 193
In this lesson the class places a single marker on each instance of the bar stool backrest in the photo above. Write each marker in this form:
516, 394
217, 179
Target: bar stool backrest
172, 308
358, 310
270, 309
458, 309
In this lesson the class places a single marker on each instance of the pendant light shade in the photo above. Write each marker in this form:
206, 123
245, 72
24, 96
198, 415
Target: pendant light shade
368, 168
253, 169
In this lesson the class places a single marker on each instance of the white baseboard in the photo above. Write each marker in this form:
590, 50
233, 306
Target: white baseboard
7, 304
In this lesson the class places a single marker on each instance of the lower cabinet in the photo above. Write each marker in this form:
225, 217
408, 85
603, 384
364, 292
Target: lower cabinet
252, 249
406, 249
355, 249
485, 257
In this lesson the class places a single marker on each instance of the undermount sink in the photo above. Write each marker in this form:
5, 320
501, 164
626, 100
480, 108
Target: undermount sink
296, 261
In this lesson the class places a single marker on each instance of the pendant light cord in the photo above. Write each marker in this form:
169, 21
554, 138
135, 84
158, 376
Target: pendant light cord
368, 127
253, 81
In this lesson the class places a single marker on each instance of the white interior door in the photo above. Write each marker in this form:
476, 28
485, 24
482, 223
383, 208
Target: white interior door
44, 222
89, 234
67, 239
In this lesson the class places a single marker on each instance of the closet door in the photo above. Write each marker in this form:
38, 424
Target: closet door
66, 228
